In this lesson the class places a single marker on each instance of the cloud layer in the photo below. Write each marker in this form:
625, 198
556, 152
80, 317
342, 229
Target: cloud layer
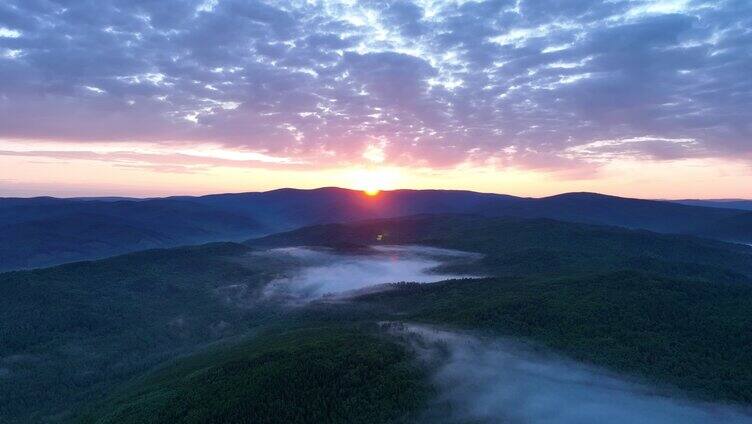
533, 84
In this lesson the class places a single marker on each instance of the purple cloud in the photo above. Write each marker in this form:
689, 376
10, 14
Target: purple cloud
533, 84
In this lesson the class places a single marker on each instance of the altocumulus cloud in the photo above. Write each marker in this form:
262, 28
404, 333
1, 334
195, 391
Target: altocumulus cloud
530, 83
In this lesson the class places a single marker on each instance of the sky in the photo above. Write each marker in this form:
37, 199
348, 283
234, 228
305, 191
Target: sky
643, 98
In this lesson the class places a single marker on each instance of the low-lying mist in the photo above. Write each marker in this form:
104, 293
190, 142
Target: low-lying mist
502, 381
327, 272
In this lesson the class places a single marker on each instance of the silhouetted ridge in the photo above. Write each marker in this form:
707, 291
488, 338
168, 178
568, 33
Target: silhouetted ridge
237, 216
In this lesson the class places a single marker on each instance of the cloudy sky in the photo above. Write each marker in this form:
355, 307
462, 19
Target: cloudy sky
648, 98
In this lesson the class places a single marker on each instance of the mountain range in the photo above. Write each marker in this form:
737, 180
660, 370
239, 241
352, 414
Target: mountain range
146, 336
47, 231
718, 203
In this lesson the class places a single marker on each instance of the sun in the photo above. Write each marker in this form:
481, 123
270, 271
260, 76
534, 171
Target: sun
373, 181
372, 185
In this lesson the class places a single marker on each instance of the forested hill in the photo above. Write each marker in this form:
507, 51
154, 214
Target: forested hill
67, 333
288, 208
47, 231
337, 375
669, 308
521, 246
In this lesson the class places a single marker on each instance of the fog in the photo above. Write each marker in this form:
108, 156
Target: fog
501, 381
326, 272
481, 380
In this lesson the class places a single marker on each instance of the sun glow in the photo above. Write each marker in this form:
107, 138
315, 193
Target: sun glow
373, 181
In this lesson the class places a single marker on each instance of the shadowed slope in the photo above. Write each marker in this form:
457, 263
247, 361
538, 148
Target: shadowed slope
539, 246
321, 375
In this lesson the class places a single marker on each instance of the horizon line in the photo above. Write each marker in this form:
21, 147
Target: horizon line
127, 198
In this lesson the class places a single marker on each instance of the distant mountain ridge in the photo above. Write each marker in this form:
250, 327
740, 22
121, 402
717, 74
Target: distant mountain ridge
718, 203
292, 208
287, 209
46, 231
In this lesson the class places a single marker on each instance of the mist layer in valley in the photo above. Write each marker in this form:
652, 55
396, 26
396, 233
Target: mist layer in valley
479, 380
323, 272
504, 381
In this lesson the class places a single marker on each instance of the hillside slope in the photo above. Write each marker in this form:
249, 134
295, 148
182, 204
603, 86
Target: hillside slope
44, 232
736, 228
671, 309
70, 238
310, 375
540, 246
185, 220
289, 208
69, 332
674, 310
680, 333
726, 204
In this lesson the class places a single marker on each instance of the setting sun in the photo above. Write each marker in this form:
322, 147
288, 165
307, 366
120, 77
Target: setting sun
372, 181
391, 197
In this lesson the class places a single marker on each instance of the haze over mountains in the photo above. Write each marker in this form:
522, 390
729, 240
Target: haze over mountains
648, 289
719, 203
668, 309
47, 231
153, 301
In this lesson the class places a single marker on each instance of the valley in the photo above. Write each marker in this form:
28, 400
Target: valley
589, 295
375, 212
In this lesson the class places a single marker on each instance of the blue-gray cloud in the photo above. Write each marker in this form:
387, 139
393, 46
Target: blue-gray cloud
531, 83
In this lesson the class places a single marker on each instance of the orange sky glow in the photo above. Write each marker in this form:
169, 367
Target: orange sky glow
25, 176
645, 98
